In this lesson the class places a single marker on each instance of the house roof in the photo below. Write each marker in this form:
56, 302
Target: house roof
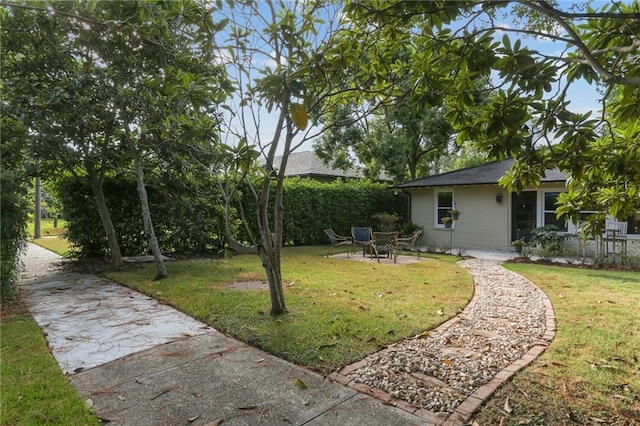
307, 164
485, 174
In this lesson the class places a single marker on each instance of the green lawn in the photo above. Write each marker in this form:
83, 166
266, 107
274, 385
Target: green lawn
58, 245
34, 390
340, 310
47, 229
590, 374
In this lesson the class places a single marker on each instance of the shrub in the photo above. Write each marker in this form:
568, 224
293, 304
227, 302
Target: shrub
550, 238
310, 207
409, 228
184, 220
386, 222
13, 230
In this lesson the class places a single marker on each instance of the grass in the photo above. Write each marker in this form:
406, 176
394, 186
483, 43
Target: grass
52, 237
58, 245
340, 310
47, 229
34, 390
590, 374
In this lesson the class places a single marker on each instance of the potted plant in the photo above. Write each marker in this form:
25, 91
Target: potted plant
447, 220
517, 245
455, 214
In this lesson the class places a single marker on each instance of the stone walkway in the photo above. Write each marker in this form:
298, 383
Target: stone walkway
444, 375
140, 362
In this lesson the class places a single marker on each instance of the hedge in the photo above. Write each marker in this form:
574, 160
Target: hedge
184, 220
310, 207
13, 229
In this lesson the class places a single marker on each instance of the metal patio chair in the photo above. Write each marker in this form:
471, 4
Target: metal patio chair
338, 240
385, 243
362, 236
410, 243
615, 233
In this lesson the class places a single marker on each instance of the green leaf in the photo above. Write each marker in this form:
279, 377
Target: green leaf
506, 43
91, 5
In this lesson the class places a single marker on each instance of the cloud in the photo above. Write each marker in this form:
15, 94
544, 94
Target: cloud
271, 61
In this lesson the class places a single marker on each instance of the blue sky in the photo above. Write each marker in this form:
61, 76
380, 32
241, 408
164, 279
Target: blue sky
584, 97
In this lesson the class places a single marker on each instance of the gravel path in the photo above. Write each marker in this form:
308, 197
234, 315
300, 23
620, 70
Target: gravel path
507, 317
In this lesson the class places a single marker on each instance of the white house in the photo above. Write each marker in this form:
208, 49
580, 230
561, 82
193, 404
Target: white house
490, 216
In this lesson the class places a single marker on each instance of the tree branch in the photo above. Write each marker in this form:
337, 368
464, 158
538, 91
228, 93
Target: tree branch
589, 57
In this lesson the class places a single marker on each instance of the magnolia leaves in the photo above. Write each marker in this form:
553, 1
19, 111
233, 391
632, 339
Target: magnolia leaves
275, 88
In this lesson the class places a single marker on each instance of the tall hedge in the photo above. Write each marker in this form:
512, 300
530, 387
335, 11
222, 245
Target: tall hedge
185, 221
13, 229
310, 207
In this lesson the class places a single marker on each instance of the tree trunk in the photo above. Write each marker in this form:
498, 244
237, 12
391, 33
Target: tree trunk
105, 218
270, 246
38, 211
271, 264
269, 252
161, 270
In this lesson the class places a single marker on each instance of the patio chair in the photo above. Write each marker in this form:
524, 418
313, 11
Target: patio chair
410, 243
615, 233
338, 240
361, 235
384, 243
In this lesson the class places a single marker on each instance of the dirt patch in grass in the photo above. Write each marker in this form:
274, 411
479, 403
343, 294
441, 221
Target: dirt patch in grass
11, 308
249, 285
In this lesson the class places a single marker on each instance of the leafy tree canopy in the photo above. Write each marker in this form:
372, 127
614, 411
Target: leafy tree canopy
527, 115
88, 84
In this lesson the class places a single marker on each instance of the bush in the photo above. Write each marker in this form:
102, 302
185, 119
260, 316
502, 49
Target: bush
310, 207
187, 222
13, 230
386, 222
551, 240
184, 220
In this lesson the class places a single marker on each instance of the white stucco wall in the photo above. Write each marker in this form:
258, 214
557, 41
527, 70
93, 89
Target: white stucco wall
483, 222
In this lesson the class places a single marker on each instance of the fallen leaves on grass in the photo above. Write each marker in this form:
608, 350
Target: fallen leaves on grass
507, 406
328, 345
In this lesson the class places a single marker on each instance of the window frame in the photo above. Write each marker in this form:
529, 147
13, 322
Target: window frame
573, 227
545, 211
436, 207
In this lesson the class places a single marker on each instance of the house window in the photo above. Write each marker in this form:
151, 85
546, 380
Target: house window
633, 223
444, 203
550, 205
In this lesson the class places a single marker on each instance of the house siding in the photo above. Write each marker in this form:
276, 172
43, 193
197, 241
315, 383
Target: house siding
483, 223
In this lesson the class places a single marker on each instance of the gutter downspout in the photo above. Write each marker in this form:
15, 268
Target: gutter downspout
409, 200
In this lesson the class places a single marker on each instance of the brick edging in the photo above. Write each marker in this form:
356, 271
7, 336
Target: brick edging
465, 410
